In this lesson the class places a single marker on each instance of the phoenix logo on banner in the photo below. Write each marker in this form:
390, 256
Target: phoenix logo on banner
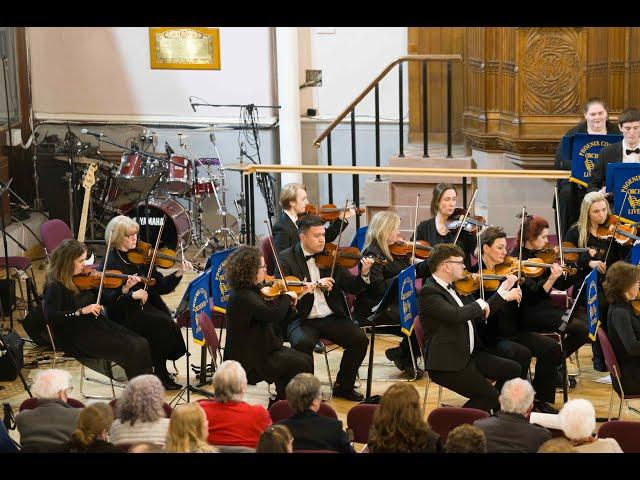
593, 311
407, 305
220, 289
583, 150
199, 305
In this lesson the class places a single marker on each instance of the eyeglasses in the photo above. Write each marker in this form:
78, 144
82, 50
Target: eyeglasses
262, 267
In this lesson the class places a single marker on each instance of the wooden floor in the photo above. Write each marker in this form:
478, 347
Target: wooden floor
14, 393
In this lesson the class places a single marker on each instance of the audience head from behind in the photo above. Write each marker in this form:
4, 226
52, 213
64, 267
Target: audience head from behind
230, 382
146, 447
578, 421
304, 393
466, 438
557, 445
93, 424
517, 396
275, 439
188, 430
52, 384
398, 424
142, 400
446, 260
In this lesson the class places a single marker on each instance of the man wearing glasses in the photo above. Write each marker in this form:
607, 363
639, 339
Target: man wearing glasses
454, 354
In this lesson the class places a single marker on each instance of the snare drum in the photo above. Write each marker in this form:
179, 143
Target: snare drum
205, 187
179, 178
177, 224
130, 166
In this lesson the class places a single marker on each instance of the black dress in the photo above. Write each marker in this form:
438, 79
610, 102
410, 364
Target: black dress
154, 321
90, 336
624, 334
254, 339
427, 231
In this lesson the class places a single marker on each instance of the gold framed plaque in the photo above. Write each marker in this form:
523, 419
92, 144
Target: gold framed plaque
185, 48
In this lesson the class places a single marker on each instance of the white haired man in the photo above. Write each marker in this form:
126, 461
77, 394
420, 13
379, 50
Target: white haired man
509, 430
578, 421
49, 426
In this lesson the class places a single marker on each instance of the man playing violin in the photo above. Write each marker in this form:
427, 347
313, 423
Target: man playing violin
505, 335
324, 313
455, 355
293, 200
78, 323
143, 310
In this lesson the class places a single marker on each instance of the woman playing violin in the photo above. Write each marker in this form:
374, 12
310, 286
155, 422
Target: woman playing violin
293, 200
539, 314
594, 212
621, 286
254, 336
381, 234
78, 324
435, 230
140, 310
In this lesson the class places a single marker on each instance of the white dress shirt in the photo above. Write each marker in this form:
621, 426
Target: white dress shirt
632, 157
293, 217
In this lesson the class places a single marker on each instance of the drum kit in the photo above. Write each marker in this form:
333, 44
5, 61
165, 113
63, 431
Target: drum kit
187, 191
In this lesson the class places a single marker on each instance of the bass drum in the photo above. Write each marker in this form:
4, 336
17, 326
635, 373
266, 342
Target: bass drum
177, 224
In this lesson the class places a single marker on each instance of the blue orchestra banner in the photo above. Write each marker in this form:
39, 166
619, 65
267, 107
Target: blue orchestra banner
583, 149
407, 303
199, 304
635, 255
593, 311
220, 289
623, 178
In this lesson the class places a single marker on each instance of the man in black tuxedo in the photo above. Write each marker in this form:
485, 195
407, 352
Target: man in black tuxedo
627, 151
324, 313
293, 200
454, 354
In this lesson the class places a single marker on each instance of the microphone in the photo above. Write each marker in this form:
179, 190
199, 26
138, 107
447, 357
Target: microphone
168, 148
88, 132
212, 137
180, 139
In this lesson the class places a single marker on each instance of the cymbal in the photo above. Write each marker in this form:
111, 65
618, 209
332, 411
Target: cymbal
86, 161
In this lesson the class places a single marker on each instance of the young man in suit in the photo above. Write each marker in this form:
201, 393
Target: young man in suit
627, 151
293, 200
324, 312
454, 355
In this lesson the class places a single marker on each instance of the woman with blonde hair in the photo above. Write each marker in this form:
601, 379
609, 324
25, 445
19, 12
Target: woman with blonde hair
91, 434
140, 310
79, 326
188, 430
399, 426
381, 234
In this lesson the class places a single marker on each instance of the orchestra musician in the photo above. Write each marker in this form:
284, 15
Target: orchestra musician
144, 311
79, 326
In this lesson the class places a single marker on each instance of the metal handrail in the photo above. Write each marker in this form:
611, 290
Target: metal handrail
376, 81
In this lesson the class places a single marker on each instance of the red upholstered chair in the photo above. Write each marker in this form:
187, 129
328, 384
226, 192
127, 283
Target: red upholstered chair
165, 406
31, 403
614, 370
417, 328
281, 410
626, 433
359, 421
53, 233
444, 419
267, 253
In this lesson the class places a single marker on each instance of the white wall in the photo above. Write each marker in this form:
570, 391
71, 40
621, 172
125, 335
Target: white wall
106, 72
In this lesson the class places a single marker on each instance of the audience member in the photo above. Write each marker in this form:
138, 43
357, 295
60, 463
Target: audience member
7, 445
49, 426
311, 431
91, 433
231, 420
399, 426
466, 438
578, 421
557, 445
140, 413
188, 430
146, 447
509, 430
275, 439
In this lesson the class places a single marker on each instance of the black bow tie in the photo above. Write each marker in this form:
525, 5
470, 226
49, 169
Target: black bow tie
307, 257
629, 152
451, 286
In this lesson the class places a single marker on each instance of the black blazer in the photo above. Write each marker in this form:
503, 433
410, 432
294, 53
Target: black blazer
293, 263
446, 334
311, 431
609, 154
512, 433
624, 334
285, 232
253, 329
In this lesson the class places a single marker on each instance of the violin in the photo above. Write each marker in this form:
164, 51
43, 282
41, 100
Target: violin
273, 287
571, 253
470, 282
328, 212
532, 268
472, 223
165, 257
90, 278
403, 249
622, 233
348, 257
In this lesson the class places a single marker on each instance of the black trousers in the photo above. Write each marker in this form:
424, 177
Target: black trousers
386, 322
471, 381
282, 365
570, 196
303, 336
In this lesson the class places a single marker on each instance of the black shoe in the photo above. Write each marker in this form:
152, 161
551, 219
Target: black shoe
572, 381
168, 383
393, 354
543, 407
353, 394
319, 348
599, 365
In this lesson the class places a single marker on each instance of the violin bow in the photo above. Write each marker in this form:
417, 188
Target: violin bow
466, 214
415, 230
153, 258
335, 257
613, 236
104, 268
275, 256
481, 267
524, 214
558, 230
